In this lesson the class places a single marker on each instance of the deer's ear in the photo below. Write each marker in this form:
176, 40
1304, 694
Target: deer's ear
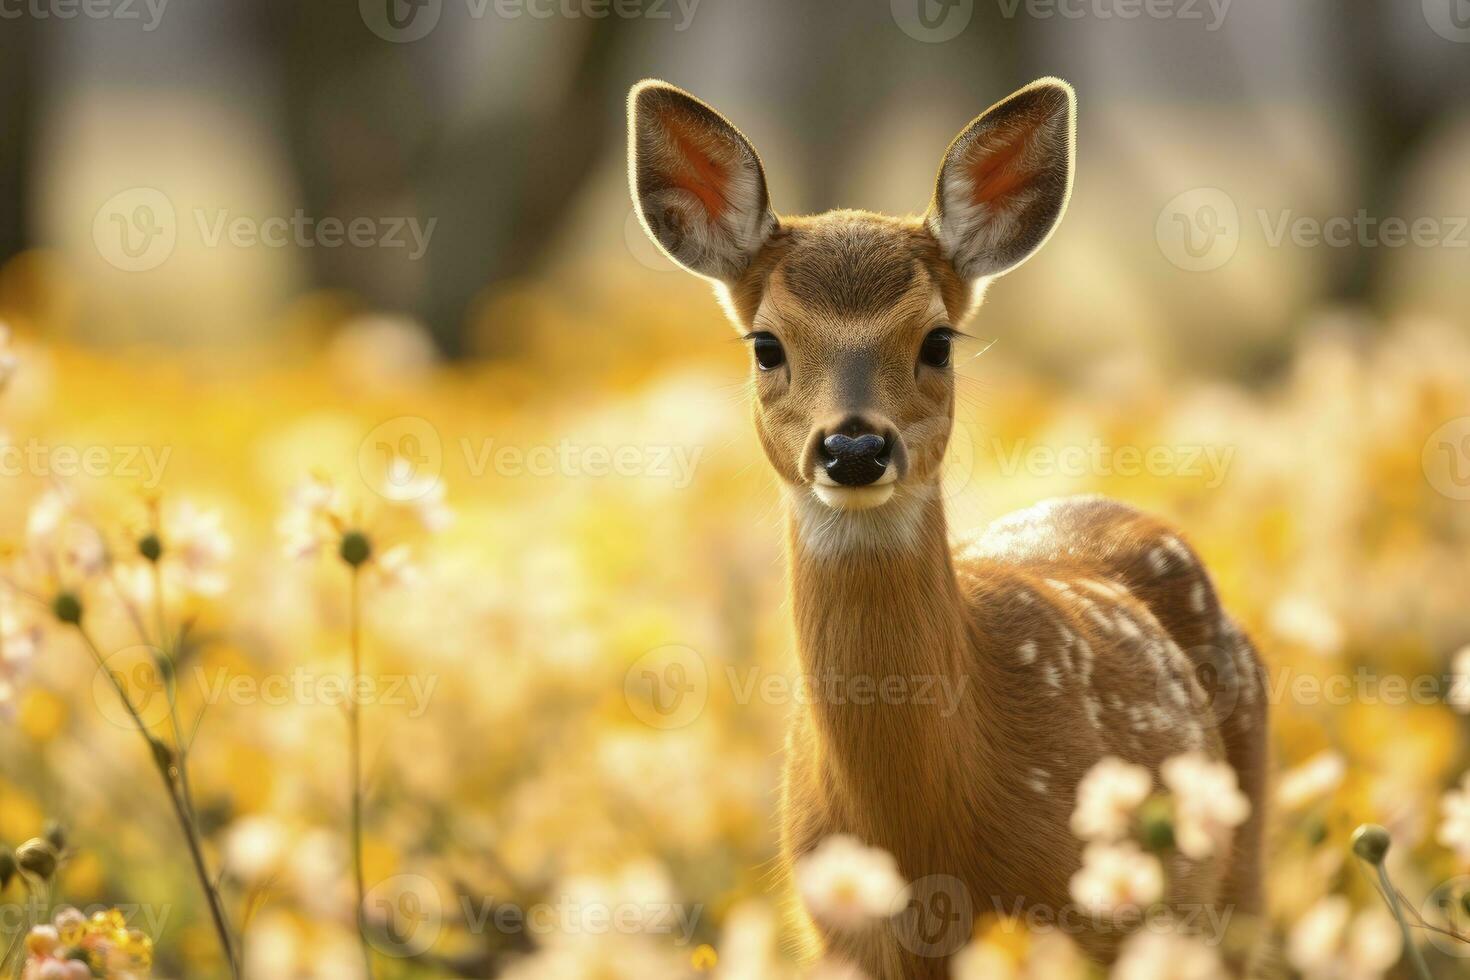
1005, 180
697, 182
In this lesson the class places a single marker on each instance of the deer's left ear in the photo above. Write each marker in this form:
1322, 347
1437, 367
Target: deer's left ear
1005, 180
697, 182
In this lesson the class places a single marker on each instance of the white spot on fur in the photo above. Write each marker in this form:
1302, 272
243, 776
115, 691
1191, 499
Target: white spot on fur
1039, 780
1197, 597
1176, 548
1027, 652
1094, 711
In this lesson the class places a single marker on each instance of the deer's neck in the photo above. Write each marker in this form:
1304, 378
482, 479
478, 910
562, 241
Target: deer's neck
883, 639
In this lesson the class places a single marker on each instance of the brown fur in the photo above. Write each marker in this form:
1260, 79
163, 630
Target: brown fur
1068, 632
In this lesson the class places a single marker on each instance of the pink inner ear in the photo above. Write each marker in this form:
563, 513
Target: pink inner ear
998, 173
702, 176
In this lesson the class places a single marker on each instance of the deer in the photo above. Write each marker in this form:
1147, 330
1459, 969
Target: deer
1076, 629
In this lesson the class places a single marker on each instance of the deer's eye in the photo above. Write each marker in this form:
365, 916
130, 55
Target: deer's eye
769, 353
934, 351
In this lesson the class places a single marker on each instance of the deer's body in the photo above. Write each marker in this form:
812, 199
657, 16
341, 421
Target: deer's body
1065, 629
1066, 633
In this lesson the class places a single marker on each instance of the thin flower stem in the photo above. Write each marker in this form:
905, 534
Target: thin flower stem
186, 821
354, 762
170, 651
1392, 895
24, 928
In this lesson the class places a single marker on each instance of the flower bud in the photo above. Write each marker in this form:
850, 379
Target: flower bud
355, 548
1156, 825
1370, 842
55, 835
150, 547
67, 607
37, 857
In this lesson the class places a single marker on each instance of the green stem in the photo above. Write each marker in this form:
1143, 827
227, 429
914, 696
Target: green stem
170, 653
354, 763
1411, 948
181, 810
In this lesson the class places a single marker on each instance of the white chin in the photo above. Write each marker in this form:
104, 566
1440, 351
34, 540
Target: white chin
854, 498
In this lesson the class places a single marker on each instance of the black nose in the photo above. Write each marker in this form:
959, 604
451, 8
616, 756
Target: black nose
854, 461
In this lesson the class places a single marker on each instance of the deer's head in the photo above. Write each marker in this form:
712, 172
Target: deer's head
850, 315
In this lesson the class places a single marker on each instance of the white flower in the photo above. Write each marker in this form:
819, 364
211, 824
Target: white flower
200, 549
1319, 776
984, 960
1459, 696
1117, 876
1454, 829
306, 524
846, 884
1375, 943
19, 641
1329, 943
47, 516
1305, 622
61, 540
832, 969
395, 567
1208, 803
1107, 798
255, 847
8, 360
1149, 955
423, 493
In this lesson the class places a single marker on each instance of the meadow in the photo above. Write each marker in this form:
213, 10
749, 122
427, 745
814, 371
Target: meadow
541, 541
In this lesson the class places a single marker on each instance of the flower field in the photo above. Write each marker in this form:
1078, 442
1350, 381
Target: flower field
491, 570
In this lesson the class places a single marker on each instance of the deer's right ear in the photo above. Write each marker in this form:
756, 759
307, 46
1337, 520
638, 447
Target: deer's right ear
697, 182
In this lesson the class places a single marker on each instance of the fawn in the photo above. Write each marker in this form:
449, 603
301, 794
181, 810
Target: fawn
1065, 626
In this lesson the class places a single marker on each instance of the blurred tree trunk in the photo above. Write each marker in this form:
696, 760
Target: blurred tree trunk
371, 129
1397, 109
18, 92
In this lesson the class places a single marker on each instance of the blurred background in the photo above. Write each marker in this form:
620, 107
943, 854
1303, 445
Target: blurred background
255, 241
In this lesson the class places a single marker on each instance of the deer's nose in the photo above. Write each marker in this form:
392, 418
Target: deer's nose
854, 460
